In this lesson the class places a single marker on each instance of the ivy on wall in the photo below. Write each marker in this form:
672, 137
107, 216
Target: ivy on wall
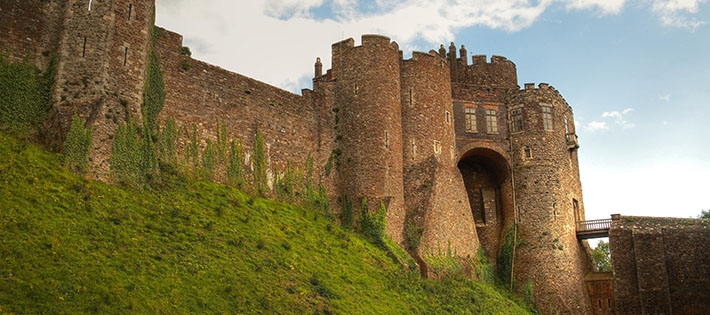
235, 171
77, 146
133, 160
259, 160
24, 94
154, 95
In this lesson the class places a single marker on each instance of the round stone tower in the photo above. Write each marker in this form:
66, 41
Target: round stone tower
369, 127
548, 199
436, 198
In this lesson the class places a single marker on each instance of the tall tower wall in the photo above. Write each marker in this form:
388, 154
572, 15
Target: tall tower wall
435, 195
548, 200
102, 58
370, 123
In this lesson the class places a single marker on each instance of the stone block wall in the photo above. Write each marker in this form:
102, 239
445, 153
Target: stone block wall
660, 265
203, 94
428, 134
548, 192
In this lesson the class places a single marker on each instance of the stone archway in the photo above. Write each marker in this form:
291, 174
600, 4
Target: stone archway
486, 176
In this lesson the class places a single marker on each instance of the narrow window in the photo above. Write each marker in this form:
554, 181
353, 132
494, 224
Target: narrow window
470, 118
411, 100
575, 206
600, 303
547, 117
516, 116
130, 11
356, 89
491, 121
437, 147
414, 150
83, 52
566, 126
90, 4
554, 211
448, 117
125, 56
387, 140
608, 302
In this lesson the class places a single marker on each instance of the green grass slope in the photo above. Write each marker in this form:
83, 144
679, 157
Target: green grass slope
72, 246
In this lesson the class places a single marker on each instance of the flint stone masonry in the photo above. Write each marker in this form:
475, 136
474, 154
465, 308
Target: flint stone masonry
660, 265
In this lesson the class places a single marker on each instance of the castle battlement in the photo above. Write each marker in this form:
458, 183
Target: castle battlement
452, 146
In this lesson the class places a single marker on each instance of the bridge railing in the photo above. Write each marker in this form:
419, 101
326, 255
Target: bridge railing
593, 225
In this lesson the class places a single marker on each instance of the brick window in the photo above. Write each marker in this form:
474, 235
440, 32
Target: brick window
575, 208
448, 117
470, 118
547, 118
130, 11
437, 147
527, 153
491, 121
566, 126
90, 2
554, 212
516, 116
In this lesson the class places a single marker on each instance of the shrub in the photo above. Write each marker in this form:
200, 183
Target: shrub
413, 234
235, 172
186, 65
601, 257
209, 160
185, 51
77, 146
373, 223
259, 160
154, 94
192, 151
346, 215
167, 141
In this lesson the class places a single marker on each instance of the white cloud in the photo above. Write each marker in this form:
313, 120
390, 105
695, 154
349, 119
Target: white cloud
277, 41
677, 12
604, 6
593, 126
666, 98
619, 118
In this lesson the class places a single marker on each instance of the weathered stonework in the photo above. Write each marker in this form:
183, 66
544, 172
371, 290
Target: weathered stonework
661, 265
453, 147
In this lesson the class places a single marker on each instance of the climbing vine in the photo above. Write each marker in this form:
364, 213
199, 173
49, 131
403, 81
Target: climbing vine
77, 146
25, 94
154, 95
235, 171
259, 164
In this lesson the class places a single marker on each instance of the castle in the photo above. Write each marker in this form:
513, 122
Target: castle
449, 144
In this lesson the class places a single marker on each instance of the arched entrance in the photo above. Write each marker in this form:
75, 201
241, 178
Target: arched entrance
486, 175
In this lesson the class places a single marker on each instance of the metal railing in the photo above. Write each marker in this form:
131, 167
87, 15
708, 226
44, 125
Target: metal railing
593, 225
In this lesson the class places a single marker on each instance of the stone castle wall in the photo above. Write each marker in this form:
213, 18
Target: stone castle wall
430, 158
546, 189
660, 265
204, 95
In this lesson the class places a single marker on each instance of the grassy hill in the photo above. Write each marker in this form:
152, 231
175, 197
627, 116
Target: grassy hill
71, 246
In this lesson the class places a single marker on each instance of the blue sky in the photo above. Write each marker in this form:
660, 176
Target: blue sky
637, 73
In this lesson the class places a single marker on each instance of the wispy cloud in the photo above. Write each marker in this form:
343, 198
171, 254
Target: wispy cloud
678, 13
619, 118
666, 98
593, 126
604, 6
275, 28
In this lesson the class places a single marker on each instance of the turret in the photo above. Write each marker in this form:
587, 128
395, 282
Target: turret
319, 68
367, 98
102, 60
549, 199
434, 189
